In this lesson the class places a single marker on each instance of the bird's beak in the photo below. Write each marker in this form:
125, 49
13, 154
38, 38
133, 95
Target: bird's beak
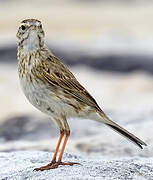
32, 27
32, 31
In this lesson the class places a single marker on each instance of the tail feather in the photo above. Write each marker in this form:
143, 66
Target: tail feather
128, 135
123, 131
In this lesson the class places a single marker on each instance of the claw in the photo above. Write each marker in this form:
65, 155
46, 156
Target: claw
54, 165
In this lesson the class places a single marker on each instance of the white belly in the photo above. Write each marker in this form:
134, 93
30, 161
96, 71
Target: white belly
45, 100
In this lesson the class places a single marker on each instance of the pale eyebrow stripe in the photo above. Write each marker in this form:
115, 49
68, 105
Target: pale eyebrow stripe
23, 24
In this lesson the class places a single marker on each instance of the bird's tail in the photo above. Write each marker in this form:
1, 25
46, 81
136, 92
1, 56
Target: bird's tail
122, 131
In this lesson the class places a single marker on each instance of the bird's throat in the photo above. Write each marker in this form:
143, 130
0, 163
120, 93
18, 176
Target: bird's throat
31, 43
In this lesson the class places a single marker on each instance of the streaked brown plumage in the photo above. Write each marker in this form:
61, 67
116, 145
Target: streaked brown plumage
52, 88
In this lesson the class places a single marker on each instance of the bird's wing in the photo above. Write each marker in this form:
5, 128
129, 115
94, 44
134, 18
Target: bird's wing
57, 74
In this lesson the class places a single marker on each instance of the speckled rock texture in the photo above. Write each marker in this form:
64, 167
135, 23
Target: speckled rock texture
20, 164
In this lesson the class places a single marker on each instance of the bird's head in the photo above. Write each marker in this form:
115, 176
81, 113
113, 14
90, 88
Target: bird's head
30, 34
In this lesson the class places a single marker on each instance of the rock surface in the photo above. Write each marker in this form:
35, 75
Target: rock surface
20, 164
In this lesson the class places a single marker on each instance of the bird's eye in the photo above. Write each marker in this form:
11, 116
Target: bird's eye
23, 27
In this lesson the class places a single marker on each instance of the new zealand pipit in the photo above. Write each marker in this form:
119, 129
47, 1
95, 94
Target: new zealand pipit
52, 88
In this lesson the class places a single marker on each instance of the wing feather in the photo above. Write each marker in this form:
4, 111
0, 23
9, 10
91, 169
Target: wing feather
57, 74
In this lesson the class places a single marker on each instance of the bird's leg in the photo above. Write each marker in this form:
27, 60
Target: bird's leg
64, 145
55, 154
54, 164
59, 162
58, 145
64, 130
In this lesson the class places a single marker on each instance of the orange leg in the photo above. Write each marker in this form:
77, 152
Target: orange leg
53, 163
59, 162
64, 145
55, 154
58, 145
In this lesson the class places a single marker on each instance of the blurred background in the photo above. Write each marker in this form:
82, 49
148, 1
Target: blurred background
108, 45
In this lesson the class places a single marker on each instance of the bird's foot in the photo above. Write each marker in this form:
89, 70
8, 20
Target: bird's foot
54, 165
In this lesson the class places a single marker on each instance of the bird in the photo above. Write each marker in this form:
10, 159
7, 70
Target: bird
52, 88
